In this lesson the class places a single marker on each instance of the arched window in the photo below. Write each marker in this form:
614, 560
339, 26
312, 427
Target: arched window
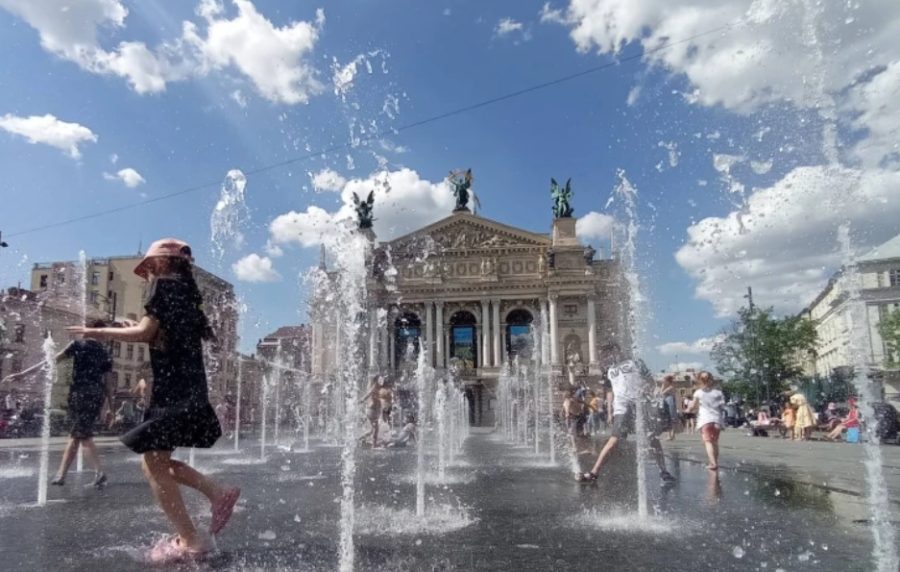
519, 339
572, 348
407, 331
463, 340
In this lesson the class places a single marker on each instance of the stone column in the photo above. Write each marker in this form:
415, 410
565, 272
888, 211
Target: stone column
554, 331
592, 330
385, 334
392, 341
498, 353
439, 335
373, 332
545, 341
428, 337
485, 335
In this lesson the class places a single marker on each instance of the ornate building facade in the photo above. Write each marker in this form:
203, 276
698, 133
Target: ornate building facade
472, 294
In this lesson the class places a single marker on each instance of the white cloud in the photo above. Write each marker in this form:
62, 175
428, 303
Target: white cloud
114, 158
71, 31
548, 14
783, 241
328, 180
129, 176
273, 250
594, 225
698, 346
49, 130
403, 202
255, 268
275, 59
239, 98
507, 27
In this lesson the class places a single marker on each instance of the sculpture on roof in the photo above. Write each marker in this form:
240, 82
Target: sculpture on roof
561, 197
364, 210
462, 182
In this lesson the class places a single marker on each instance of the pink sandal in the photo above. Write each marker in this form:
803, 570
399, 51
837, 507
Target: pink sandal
171, 550
221, 511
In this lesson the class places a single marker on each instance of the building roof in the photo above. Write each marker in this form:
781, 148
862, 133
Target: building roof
289, 332
887, 250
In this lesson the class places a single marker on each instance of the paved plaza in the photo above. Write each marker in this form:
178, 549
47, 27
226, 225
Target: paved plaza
777, 505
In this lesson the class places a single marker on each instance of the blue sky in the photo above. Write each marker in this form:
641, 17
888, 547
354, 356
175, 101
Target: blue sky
702, 130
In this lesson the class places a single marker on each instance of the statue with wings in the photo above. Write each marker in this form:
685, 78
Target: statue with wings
462, 182
364, 210
561, 197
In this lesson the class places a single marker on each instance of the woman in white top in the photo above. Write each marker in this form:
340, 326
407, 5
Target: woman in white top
711, 402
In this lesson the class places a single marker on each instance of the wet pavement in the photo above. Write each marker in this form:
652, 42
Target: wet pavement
502, 509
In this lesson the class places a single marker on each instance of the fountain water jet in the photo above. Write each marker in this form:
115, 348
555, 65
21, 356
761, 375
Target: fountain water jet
885, 557
82, 299
49, 348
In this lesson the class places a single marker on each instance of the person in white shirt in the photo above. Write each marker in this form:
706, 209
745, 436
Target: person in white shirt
711, 402
629, 391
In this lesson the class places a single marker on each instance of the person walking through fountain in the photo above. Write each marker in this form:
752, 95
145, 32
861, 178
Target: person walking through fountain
90, 365
709, 403
381, 399
179, 412
629, 391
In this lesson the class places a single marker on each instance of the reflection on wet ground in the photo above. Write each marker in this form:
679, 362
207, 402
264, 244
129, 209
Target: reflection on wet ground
503, 510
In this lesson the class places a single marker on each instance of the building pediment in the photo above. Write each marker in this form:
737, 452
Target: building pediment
464, 231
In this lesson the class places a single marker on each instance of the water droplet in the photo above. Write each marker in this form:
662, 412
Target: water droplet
804, 556
267, 535
738, 552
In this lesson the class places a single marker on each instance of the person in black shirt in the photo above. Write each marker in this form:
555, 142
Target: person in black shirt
179, 413
90, 364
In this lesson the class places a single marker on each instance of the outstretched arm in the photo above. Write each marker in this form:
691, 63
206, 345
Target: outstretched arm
145, 331
25, 372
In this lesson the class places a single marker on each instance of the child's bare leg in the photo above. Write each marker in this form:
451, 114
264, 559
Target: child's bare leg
157, 468
604, 454
186, 475
90, 451
67, 458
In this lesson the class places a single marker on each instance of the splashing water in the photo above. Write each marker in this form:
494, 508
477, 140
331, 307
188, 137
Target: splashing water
636, 317
83, 301
885, 557
49, 349
229, 214
424, 378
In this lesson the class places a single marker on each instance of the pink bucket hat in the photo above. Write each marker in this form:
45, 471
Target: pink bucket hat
163, 247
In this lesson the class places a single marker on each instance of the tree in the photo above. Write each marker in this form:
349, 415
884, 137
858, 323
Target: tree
759, 353
889, 328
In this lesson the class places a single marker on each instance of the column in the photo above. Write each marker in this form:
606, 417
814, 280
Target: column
439, 334
498, 353
428, 337
545, 339
592, 330
385, 334
485, 335
554, 331
392, 341
373, 332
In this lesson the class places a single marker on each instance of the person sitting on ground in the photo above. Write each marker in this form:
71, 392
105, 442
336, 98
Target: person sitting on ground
851, 421
709, 403
830, 418
629, 391
407, 434
90, 365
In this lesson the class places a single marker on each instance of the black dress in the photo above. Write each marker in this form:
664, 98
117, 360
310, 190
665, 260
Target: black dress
90, 362
179, 414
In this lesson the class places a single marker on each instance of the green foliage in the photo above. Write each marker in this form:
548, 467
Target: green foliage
759, 353
889, 328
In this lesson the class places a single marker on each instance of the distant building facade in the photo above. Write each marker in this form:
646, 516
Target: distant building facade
880, 276
112, 289
472, 303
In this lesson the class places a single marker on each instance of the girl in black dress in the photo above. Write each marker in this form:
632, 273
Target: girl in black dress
179, 413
